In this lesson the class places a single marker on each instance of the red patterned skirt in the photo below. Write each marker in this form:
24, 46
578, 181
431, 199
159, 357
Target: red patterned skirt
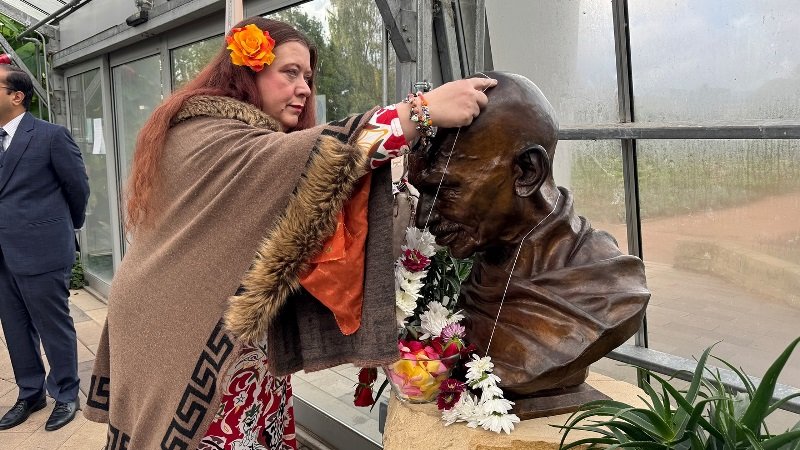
255, 412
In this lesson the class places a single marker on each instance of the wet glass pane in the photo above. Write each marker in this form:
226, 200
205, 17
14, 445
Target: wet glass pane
721, 242
137, 91
715, 60
87, 128
566, 47
592, 170
188, 60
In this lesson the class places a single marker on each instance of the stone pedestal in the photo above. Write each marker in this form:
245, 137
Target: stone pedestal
411, 427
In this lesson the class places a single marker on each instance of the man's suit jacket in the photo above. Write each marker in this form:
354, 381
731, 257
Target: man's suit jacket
43, 194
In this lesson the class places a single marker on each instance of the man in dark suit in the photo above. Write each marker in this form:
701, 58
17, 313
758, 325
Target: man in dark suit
43, 195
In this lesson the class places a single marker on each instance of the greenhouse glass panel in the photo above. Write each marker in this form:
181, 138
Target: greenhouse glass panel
721, 243
715, 60
592, 170
87, 128
188, 60
566, 47
137, 91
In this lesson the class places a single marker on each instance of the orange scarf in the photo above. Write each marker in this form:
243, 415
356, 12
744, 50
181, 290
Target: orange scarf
336, 276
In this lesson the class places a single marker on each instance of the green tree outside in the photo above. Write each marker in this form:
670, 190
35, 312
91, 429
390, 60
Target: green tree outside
31, 56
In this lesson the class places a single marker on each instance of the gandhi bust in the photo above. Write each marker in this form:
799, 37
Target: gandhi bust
573, 296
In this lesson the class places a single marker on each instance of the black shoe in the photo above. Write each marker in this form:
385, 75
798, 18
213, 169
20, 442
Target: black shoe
62, 414
20, 411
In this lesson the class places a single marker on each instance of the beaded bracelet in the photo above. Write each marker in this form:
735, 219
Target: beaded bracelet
420, 114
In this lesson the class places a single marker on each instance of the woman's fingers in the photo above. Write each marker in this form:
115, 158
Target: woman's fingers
457, 103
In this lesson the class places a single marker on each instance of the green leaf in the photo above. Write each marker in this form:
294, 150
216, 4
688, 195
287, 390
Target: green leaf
640, 445
748, 384
682, 415
687, 410
780, 403
585, 441
759, 404
751, 437
379, 392
790, 437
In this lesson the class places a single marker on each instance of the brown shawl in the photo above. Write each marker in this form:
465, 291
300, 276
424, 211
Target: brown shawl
234, 188
580, 298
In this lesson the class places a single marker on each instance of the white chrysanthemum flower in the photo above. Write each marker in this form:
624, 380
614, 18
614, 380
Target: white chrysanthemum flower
478, 366
497, 405
409, 275
499, 422
490, 392
401, 317
465, 410
421, 240
411, 285
453, 415
406, 302
436, 318
487, 380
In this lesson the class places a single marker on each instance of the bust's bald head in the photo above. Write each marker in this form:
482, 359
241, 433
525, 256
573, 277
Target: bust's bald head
497, 167
517, 108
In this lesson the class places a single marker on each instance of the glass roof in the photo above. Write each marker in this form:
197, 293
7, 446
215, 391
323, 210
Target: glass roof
36, 9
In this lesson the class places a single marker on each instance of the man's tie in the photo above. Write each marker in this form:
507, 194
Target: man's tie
3, 134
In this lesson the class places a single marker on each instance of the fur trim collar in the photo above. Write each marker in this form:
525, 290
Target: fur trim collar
225, 107
310, 218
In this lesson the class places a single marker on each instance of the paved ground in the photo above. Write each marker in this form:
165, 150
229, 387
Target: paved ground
80, 434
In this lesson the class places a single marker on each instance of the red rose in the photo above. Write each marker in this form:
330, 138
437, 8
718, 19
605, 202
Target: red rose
363, 396
450, 350
367, 375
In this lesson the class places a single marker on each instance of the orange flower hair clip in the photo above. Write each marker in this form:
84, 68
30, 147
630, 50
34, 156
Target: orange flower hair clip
251, 46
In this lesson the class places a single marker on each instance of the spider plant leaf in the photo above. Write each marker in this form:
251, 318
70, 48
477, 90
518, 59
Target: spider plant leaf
759, 404
617, 426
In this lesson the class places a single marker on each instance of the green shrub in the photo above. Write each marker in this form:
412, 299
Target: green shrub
77, 281
707, 416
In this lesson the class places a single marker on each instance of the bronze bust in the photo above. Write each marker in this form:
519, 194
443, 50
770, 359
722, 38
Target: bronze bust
573, 295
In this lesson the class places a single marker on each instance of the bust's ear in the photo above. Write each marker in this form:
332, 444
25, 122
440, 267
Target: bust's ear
534, 164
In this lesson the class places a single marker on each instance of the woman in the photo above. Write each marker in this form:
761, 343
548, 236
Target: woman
250, 229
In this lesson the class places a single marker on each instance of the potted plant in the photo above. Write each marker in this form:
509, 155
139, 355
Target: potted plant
707, 416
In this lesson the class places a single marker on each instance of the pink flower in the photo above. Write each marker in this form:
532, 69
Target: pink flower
453, 331
414, 261
449, 393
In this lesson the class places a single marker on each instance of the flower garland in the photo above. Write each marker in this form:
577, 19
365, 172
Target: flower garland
430, 337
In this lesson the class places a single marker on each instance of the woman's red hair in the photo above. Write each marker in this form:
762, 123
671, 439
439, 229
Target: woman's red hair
219, 77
